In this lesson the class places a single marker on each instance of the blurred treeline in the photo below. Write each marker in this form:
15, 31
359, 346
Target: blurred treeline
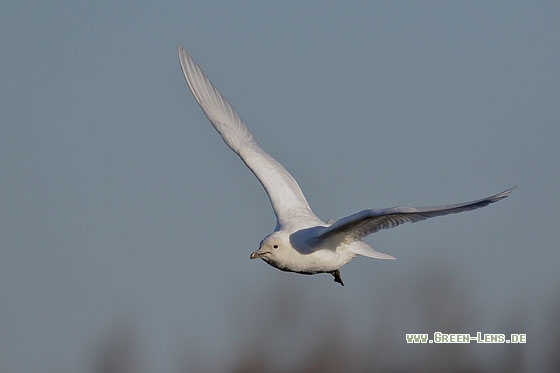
287, 337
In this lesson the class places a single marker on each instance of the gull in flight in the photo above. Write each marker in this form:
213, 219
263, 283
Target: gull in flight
301, 242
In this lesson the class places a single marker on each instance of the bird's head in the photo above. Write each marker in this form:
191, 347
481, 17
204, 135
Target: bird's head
273, 249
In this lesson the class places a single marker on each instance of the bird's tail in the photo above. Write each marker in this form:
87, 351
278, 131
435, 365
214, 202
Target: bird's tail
362, 248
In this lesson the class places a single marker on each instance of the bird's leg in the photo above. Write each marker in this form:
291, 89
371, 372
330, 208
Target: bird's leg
337, 277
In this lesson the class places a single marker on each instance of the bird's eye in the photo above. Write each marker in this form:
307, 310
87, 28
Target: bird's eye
275, 246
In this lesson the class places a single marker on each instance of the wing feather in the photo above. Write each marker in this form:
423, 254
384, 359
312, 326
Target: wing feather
285, 195
357, 226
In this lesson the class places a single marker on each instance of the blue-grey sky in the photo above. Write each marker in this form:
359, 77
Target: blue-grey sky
121, 205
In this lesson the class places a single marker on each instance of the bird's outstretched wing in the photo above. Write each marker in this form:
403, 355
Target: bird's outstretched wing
366, 222
286, 197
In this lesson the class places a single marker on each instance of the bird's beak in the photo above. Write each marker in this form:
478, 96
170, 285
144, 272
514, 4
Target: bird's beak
257, 254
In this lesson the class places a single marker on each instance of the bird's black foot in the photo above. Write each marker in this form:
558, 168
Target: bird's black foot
337, 277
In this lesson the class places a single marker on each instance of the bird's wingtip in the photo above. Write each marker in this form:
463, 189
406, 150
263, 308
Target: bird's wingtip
508, 191
504, 194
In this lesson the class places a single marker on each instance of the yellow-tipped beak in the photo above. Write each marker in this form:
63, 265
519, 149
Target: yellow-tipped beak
257, 254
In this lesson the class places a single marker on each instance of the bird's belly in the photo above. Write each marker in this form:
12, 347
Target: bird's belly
318, 261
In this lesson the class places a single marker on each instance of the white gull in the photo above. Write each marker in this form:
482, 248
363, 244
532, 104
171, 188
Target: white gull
302, 242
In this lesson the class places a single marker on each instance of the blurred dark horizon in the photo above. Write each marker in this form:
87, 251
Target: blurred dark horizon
282, 332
